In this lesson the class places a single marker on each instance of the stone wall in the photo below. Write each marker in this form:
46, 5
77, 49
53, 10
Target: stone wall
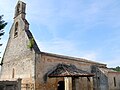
114, 80
100, 78
18, 59
10, 85
45, 63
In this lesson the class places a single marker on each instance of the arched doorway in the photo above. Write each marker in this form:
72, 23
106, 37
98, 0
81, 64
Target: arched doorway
61, 85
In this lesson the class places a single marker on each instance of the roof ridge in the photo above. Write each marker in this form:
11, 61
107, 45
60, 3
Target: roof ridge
75, 58
65, 69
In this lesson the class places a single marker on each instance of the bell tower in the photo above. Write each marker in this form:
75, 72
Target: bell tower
19, 56
20, 9
20, 23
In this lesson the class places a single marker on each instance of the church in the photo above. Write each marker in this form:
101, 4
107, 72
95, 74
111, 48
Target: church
25, 67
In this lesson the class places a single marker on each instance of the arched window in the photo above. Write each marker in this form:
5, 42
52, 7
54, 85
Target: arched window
16, 30
18, 9
114, 81
13, 73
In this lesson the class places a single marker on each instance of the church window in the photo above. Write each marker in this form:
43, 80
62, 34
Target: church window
114, 81
13, 73
18, 9
16, 30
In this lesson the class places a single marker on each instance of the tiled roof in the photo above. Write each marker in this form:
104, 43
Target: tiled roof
63, 70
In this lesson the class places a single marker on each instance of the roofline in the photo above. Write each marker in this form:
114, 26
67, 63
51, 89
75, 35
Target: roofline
90, 75
72, 58
114, 72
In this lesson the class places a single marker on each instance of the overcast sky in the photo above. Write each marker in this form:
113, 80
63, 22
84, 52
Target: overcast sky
82, 28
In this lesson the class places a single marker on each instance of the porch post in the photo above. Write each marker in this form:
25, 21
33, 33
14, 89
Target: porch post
77, 83
68, 83
91, 83
19, 83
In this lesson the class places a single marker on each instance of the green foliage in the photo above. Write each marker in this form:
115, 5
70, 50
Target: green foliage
2, 25
31, 43
117, 69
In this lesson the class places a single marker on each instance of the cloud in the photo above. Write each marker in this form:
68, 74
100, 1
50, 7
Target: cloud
7, 9
57, 46
77, 28
66, 47
114, 62
90, 56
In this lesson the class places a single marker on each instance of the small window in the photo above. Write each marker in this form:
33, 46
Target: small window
98, 78
18, 9
16, 30
114, 81
13, 73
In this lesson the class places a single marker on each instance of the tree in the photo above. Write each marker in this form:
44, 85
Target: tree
2, 26
116, 68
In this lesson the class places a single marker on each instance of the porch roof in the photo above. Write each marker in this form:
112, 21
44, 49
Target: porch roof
63, 70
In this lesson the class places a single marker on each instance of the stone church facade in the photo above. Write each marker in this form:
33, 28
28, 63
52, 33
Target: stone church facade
25, 67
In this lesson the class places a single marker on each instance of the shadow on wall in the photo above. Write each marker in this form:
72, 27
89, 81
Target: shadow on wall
100, 80
10, 85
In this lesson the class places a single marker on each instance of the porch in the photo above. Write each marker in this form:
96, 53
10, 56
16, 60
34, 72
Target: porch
73, 78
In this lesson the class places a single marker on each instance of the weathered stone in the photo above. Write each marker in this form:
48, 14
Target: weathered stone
33, 66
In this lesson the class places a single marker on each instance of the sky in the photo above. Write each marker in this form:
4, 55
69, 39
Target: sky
87, 29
